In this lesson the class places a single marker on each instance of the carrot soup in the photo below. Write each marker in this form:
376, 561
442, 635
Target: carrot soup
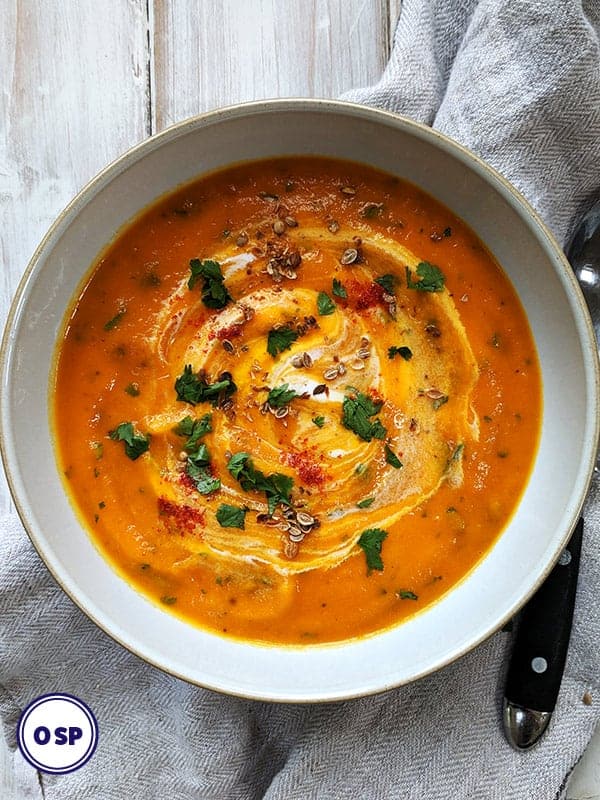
296, 401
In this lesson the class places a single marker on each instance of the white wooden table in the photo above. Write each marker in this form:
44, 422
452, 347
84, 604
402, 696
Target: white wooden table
82, 81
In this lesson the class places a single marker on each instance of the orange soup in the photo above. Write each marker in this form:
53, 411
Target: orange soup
296, 401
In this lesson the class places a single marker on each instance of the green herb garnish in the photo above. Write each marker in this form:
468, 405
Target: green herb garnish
277, 487
318, 421
325, 304
193, 389
339, 290
168, 600
280, 339
132, 389
371, 541
135, 443
280, 396
214, 291
112, 323
391, 458
431, 278
403, 352
231, 516
194, 429
387, 281
405, 594
356, 410
368, 501
439, 402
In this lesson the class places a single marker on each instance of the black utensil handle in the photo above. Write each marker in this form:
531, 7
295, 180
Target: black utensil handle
542, 638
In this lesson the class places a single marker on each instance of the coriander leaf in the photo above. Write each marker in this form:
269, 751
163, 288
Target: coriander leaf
280, 396
194, 429
405, 594
368, 501
200, 456
432, 278
356, 410
236, 464
371, 541
132, 389
202, 479
277, 487
280, 339
318, 421
214, 291
193, 389
325, 304
392, 458
387, 281
135, 443
339, 290
112, 323
403, 352
231, 516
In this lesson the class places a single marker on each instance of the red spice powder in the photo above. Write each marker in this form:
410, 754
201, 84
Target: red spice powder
364, 295
230, 332
309, 473
184, 518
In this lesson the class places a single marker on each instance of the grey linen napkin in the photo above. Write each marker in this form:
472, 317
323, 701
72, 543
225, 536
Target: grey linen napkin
518, 83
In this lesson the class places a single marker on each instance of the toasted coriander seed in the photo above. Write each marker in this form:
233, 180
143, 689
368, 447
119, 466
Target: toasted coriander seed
333, 226
228, 346
279, 227
307, 360
331, 373
349, 190
357, 364
242, 239
290, 549
319, 388
305, 520
434, 394
341, 369
349, 256
298, 362
364, 353
282, 412
291, 222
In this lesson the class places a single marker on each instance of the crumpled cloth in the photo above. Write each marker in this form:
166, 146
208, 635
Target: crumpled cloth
519, 84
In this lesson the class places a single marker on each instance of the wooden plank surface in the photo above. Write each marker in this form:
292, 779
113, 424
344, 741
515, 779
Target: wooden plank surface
210, 53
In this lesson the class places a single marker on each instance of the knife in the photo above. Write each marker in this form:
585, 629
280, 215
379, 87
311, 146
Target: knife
540, 650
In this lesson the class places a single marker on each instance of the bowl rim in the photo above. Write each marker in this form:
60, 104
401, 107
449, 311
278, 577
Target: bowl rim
353, 110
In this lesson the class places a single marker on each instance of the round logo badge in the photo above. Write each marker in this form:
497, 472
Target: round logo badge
57, 733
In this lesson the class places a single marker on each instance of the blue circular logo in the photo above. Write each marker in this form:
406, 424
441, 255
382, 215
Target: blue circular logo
57, 733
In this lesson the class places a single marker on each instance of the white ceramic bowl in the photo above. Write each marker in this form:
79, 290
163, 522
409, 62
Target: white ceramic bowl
539, 529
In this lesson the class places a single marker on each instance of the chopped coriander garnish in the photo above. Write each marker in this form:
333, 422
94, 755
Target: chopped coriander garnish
277, 487
194, 429
112, 323
231, 516
318, 421
447, 232
280, 339
405, 594
339, 290
132, 389
371, 541
391, 458
403, 352
368, 501
439, 401
98, 450
192, 389
431, 278
360, 469
356, 410
325, 304
135, 443
168, 600
197, 469
387, 281
214, 291
281, 395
